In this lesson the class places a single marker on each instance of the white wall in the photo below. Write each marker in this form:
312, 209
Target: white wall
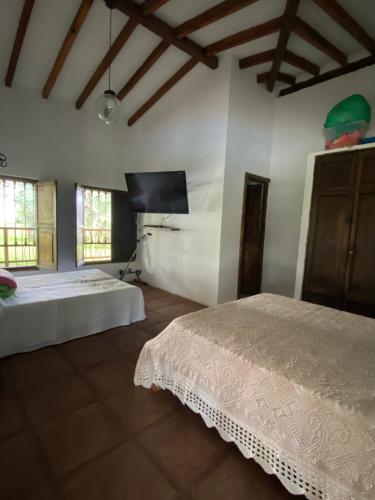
186, 130
50, 140
249, 141
216, 125
297, 131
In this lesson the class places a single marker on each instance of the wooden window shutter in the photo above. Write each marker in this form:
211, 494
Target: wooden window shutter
46, 195
124, 229
80, 225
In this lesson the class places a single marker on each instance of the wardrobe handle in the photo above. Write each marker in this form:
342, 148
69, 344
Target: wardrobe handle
351, 252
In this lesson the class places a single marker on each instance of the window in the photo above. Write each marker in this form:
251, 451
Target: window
27, 223
106, 226
97, 225
18, 241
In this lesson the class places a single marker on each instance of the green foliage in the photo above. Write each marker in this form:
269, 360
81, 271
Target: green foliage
97, 225
17, 223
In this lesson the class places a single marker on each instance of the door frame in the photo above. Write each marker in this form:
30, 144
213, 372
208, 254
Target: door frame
247, 180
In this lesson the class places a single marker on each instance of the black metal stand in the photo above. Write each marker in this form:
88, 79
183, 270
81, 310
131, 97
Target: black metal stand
137, 273
128, 270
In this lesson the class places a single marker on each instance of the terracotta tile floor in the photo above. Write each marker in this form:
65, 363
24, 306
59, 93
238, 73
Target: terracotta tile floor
74, 427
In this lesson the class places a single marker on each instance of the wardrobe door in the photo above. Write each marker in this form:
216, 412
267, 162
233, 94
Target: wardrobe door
360, 295
329, 230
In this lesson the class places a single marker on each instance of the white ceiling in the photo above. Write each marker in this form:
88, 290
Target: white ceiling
50, 21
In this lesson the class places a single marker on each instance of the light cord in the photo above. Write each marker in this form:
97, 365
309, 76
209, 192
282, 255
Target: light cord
110, 46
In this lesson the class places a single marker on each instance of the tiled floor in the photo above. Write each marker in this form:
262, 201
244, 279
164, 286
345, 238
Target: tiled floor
74, 427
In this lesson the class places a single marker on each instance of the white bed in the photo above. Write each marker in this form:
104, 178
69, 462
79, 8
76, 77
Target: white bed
53, 308
291, 383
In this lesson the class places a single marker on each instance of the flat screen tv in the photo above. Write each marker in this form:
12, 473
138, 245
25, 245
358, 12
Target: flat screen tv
158, 192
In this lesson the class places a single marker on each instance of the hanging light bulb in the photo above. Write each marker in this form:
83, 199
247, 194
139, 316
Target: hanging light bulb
107, 105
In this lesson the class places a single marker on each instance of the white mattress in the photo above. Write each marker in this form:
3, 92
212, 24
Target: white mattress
53, 308
291, 383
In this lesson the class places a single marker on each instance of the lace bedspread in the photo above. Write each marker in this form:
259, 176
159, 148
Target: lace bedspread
291, 383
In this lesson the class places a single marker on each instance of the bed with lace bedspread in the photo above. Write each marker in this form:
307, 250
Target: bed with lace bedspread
291, 383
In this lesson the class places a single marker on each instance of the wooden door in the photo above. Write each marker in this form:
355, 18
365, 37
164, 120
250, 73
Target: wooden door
329, 230
252, 235
360, 293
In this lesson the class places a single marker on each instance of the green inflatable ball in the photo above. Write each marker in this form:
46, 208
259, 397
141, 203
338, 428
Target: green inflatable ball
6, 291
352, 109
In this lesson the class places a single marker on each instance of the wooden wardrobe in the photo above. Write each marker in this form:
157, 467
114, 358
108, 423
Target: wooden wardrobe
340, 257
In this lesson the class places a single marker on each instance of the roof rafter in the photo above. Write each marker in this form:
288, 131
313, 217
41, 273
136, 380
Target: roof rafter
254, 60
211, 15
287, 25
189, 65
329, 75
289, 57
143, 68
346, 21
66, 46
150, 6
18, 42
112, 52
207, 17
301, 63
281, 77
244, 36
310, 35
162, 29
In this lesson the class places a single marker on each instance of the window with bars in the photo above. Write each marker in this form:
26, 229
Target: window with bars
18, 239
97, 225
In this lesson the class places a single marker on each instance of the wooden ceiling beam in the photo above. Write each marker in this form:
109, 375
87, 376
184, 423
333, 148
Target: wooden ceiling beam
163, 30
163, 90
301, 63
310, 35
289, 57
346, 21
66, 46
248, 35
254, 60
117, 45
281, 77
150, 6
211, 15
287, 25
143, 68
329, 75
18, 42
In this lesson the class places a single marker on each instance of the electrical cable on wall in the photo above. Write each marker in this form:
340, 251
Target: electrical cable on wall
3, 160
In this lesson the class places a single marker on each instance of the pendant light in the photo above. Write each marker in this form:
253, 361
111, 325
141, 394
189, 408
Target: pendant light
107, 105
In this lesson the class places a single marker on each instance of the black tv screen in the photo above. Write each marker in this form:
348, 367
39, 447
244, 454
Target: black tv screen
158, 192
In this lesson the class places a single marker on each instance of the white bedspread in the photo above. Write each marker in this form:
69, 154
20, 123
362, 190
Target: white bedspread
53, 308
291, 383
